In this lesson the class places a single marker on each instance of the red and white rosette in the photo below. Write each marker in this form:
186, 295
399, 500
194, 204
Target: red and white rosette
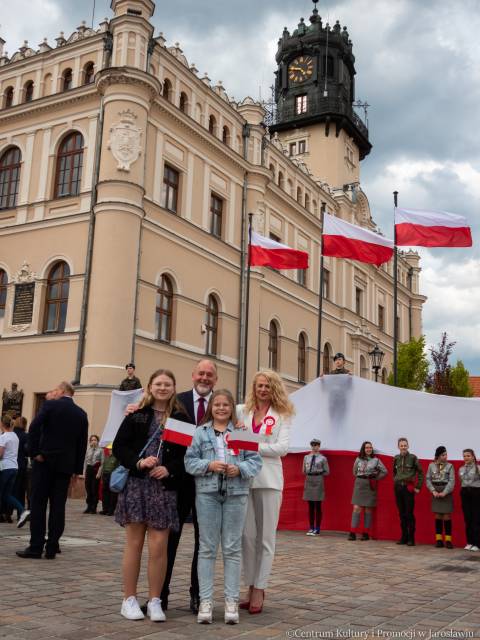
269, 422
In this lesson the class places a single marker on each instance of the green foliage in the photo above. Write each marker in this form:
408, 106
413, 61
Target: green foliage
459, 381
412, 365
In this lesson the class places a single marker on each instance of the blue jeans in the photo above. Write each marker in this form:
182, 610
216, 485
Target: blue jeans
7, 499
220, 518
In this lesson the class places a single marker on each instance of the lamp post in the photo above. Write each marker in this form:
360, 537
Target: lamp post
376, 358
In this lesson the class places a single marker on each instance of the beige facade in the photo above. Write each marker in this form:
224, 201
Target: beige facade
170, 167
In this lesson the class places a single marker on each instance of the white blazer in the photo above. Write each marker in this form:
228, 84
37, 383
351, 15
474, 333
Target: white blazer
275, 438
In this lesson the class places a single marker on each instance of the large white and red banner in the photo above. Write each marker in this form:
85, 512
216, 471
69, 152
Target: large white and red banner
421, 228
342, 239
265, 252
342, 412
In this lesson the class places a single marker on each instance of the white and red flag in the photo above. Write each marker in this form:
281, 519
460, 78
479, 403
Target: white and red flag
345, 240
241, 439
265, 252
178, 432
417, 228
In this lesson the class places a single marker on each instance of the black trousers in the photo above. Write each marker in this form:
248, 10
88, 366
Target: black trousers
185, 505
109, 498
405, 504
49, 488
470, 497
92, 486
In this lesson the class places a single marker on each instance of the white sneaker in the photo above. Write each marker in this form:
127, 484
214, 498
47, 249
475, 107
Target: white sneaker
205, 612
25, 517
468, 547
231, 611
311, 532
155, 611
474, 548
131, 609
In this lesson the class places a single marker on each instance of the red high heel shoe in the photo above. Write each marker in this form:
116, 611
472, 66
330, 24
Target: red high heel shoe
246, 603
254, 610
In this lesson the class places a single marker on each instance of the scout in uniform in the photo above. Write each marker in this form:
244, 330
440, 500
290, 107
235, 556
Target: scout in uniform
315, 468
408, 480
440, 480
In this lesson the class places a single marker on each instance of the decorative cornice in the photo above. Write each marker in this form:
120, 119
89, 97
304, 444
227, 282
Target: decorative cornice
128, 75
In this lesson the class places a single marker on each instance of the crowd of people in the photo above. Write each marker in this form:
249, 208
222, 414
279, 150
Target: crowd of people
232, 495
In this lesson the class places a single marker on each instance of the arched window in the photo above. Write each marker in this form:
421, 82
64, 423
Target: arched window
167, 89
183, 102
164, 308
69, 166
327, 355
226, 135
67, 80
314, 207
273, 346
9, 177
8, 97
299, 195
88, 73
28, 91
281, 180
3, 291
212, 125
272, 169
307, 202
211, 326
56, 300
384, 376
302, 358
328, 66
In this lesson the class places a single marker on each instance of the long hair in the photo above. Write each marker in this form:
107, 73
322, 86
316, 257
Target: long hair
474, 460
173, 404
362, 453
220, 392
279, 402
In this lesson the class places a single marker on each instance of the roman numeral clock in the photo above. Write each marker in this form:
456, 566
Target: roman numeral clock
300, 69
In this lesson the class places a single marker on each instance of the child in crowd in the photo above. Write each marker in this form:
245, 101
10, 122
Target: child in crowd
222, 480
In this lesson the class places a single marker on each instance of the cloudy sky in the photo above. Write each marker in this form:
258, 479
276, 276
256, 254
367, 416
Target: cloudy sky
417, 66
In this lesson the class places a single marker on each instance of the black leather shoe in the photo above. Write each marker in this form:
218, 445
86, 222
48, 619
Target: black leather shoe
50, 555
401, 541
194, 604
411, 543
28, 553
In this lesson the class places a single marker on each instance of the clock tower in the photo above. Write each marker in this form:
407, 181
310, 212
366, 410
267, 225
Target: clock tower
314, 95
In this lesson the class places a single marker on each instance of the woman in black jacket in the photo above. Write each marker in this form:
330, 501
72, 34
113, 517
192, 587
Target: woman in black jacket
149, 500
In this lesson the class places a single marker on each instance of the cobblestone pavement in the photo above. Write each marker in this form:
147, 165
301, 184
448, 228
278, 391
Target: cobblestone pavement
324, 587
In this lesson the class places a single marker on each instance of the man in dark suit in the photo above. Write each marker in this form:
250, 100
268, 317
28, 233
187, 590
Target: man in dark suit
204, 378
57, 442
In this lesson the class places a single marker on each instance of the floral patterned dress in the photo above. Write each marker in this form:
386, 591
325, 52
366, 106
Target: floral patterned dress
146, 500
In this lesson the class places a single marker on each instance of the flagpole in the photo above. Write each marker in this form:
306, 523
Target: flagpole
395, 291
320, 298
247, 307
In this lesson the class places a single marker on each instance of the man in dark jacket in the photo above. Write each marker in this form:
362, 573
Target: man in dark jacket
195, 400
57, 441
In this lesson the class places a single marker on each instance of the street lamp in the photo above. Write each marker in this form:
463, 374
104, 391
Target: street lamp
376, 357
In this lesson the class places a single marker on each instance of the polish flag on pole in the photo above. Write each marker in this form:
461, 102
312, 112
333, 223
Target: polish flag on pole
265, 252
241, 439
416, 228
178, 432
344, 240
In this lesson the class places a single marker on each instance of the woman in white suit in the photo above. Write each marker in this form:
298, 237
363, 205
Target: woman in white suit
267, 411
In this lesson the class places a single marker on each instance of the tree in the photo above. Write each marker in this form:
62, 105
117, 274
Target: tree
460, 381
439, 380
412, 365
445, 379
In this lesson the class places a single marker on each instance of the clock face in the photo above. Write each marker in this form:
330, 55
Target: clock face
301, 69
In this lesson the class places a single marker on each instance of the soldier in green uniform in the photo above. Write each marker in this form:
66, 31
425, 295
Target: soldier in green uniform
408, 480
131, 382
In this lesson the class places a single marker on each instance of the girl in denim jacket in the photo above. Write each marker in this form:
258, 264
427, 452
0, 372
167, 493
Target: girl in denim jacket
222, 480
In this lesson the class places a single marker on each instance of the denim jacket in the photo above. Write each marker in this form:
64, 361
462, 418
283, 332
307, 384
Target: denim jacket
203, 450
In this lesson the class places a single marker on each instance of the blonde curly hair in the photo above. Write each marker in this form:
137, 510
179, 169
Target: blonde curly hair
279, 402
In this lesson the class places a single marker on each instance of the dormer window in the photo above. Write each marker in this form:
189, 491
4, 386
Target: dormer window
301, 104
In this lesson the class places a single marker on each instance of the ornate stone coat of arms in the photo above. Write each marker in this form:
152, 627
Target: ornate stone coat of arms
125, 140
